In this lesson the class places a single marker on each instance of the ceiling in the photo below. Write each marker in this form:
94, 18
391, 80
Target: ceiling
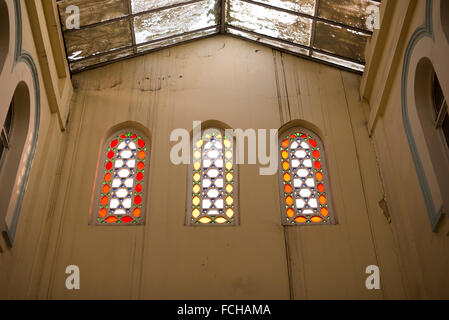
330, 31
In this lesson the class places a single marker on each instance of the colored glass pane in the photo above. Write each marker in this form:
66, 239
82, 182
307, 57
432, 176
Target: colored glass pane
220, 220
323, 200
103, 212
288, 188
141, 154
324, 212
106, 188
301, 219
139, 176
289, 201
196, 213
205, 220
196, 188
104, 200
111, 219
320, 187
140, 165
137, 212
137, 200
126, 219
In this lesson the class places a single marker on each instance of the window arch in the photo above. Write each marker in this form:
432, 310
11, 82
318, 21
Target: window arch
212, 189
122, 179
13, 140
304, 179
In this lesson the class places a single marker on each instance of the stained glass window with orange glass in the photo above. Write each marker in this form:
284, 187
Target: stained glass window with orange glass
122, 180
304, 180
212, 181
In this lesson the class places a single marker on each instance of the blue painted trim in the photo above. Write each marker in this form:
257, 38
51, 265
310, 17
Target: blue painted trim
423, 31
23, 56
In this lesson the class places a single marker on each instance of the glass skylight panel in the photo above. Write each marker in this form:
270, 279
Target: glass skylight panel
339, 40
145, 5
353, 13
175, 21
95, 60
99, 39
269, 22
108, 31
301, 6
93, 11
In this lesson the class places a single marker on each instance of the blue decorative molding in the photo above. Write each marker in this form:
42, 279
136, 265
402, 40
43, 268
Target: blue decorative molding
423, 31
22, 56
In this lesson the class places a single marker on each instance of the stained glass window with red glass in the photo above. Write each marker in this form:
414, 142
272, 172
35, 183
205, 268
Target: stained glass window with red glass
123, 175
304, 180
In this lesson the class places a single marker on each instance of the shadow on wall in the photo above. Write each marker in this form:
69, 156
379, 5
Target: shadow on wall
444, 11
4, 33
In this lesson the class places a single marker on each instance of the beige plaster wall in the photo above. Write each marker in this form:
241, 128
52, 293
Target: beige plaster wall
424, 257
246, 86
19, 265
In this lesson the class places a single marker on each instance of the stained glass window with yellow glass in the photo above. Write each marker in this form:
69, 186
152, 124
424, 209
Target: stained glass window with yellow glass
212, 187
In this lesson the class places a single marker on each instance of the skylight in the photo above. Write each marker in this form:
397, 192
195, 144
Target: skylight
330, 31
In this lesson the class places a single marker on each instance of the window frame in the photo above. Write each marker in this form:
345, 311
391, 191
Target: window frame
94, 219
283, 194
5, 133
441, 111
194, 222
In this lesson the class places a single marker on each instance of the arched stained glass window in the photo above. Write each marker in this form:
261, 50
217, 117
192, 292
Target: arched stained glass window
212, 195
122, 176
304, 180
